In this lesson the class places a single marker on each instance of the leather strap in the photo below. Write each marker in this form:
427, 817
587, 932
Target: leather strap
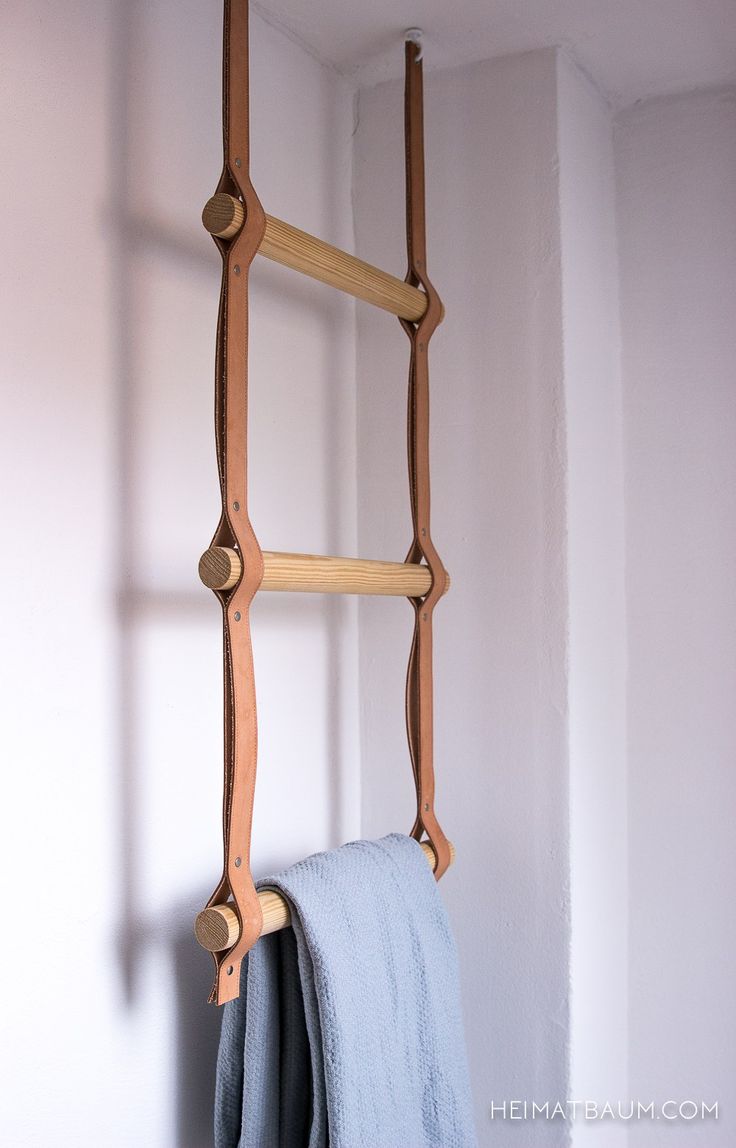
234, 529
419, 718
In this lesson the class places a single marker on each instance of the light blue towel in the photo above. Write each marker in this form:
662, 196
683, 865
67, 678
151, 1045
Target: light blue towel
347, 1031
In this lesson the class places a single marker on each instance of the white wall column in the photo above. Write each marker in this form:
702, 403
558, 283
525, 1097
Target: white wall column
498, 463
597, 608
528, 501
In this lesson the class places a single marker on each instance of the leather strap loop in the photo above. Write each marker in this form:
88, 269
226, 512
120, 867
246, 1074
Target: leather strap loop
234, 529
419, 690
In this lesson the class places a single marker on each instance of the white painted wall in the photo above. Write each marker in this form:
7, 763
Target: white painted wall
676, 163
111, 673
596, 605
111, 667
531, 494
498, 522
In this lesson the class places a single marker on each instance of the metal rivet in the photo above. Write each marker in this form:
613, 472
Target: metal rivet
424, 616
237, 162
238, 862
236, 506
230, 970
424, 533
237, 619
236, 268
426, 806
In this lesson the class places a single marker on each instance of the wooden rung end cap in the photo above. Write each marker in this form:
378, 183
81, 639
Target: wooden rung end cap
223, 215
220, 568
217, 928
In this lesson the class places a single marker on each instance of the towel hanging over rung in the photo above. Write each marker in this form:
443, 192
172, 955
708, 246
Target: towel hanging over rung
218, 928
234, 566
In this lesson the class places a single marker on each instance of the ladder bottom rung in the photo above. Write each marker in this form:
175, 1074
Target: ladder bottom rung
220, 568
218, 927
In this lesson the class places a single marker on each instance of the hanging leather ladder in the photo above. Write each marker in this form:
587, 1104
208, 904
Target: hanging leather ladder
234, 565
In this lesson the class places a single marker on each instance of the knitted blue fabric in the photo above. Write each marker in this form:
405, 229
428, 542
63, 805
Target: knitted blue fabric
347, 1031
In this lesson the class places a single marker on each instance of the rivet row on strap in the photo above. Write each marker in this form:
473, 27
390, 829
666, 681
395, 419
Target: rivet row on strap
236, 915
419, 689
234, 529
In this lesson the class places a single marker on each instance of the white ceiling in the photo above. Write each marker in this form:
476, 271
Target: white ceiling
632, 48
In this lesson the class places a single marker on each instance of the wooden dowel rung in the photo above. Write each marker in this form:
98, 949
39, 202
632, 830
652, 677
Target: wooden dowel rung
313, 573
218, 928
223, 216
302, 252
220, 568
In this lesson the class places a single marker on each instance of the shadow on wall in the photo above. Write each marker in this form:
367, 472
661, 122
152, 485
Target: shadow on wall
196, 1029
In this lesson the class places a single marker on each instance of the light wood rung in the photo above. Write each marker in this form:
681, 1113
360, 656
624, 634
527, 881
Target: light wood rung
223, 217
218, 928
220, 569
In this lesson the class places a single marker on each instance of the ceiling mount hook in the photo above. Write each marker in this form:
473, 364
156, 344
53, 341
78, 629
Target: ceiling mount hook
416, 36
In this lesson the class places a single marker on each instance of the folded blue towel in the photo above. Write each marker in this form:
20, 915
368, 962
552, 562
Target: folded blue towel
347, 1031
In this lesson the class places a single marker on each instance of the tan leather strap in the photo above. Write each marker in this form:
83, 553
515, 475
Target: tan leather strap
234, 529
419, 719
